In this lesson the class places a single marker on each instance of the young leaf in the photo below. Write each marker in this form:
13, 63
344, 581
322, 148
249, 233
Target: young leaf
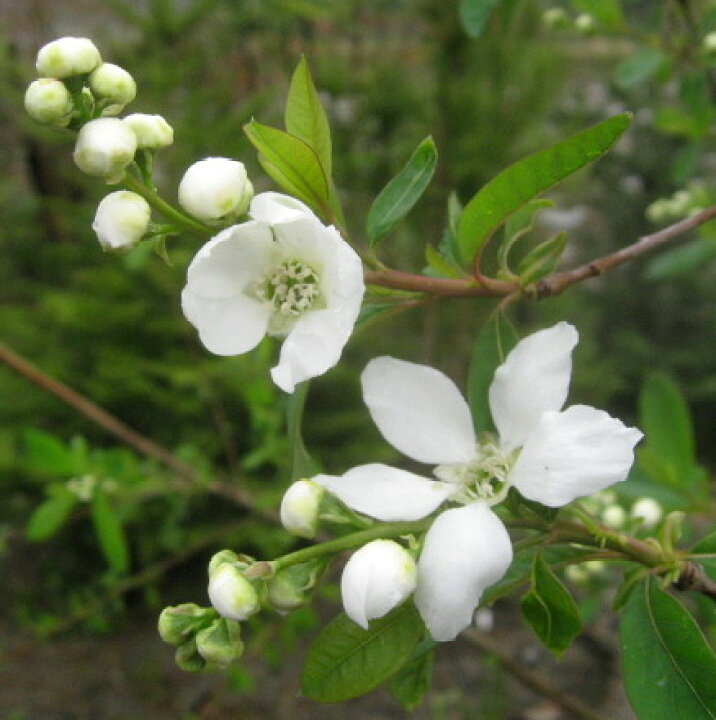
110, 533
669, 668
508, 191
550, 609
474, 15
51, 515
305, 116
397, 198
346, 661
441, 266
409, 685
493, 343
293, 165
47, 454
541, 260
302, 464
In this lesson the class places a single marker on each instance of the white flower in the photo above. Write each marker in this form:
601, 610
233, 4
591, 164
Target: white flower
550, 455
104, 148
48, 101
376, 579
283, 273
151, 131
299, 508
66, 57
121, 220
231, 594
215, 188
114, 85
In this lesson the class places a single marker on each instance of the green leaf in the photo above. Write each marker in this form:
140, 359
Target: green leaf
542, 259
51, 515
302, 464
521, 182
409, 685
441, 266
550, 609
669, 668
397, 198
517, 226
707, 545
346, 661
493, 343
44, 453
293, 165
639, 67
608, 12
474, 15
305, 116
110, 533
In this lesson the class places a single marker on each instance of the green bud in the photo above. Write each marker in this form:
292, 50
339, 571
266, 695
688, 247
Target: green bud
220, 643
48, 101
289, 589
225, 556
177, 624
187, 657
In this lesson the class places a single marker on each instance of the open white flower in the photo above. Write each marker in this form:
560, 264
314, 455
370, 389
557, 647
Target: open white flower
285, 274
550, 455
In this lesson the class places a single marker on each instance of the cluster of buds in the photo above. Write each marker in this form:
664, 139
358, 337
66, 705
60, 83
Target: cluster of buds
645, 512
692, 199
556, 18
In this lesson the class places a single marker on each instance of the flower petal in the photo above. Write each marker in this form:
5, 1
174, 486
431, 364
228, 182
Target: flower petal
573, 453
533, 379
387, 493
274, 208
228, 325
419, 411
466, 550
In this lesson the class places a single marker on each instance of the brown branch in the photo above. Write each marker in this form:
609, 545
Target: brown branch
694, 577
530, 678
444, 287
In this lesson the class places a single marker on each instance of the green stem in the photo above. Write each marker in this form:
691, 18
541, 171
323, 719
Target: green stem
170, 212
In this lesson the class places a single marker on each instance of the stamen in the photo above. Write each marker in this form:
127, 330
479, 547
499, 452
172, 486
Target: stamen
293, 287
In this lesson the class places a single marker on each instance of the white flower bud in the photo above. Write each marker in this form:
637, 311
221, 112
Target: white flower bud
104, 148
299, 508
151, 131
231, 594
214, 188
121, 220
614, 516
66, 57
584, 23
49, 102
555, 17
377, 578
114, 85
708, 44
648, 510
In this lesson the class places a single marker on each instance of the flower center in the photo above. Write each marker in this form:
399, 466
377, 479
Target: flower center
293, 287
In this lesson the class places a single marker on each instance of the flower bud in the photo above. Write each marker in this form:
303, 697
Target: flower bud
121, 220
231, 594
289, 589
300, 506
220, 643
104, 148
708, 44
585, 24
152, 131
66, 57
555, 18
377, 578
114, 85
49, 102
177, 624
614, 516
187, 657
648, 510
214, 188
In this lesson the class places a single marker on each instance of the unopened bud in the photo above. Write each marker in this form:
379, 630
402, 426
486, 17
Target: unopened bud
614, 516
584, 24
49, 102
300, 507
121, 220
231, 594
187, 657
113, 85
708, 44
648, 510
215, 188
376, 579
555, 17
104, 148
66, 57
152, 131
289, 589
220, 643
178, 624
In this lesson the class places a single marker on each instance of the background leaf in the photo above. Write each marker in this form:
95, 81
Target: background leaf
47, 454
110, 533
409, 685
346, 661
639, 67
51, 515
302, 464
607, 12
474, 15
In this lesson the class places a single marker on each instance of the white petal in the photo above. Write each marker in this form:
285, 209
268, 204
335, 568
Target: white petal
228, 325
419, 411
376, 579
466, 550
275, 208
387, 493
574, 453
533, 379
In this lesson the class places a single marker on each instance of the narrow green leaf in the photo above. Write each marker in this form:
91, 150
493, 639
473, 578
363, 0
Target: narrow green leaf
669, 668
550, 609
707, 545
608, 12
110, 533
493, 343
409, 685
474, 15
51, 515
302, 464
44, 453
542, 259
397, 198
521, 182
346, 661
441, 266
305, 116
639, 67
293, 165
